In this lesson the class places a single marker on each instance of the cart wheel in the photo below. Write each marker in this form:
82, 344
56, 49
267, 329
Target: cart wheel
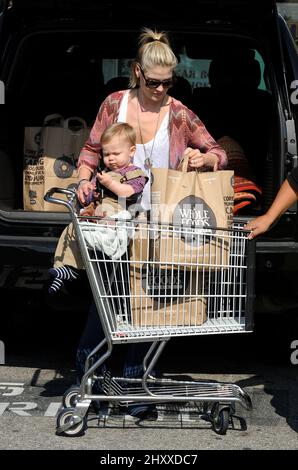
70, 397
220, 424
65, 416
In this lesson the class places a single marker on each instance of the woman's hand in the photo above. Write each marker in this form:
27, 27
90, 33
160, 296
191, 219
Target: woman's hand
196, 159
257, 226
83, 190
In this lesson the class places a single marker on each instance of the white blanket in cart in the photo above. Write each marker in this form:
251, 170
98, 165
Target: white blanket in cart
111, 240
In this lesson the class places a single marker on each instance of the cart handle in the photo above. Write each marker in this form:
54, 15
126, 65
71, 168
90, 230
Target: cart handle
48, 197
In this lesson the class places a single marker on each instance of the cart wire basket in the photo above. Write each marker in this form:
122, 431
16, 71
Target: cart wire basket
152, 282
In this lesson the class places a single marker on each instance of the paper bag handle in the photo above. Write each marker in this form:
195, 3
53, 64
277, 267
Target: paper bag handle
52, 117
184, 164
75, 118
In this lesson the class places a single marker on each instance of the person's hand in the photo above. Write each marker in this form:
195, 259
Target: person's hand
196, 159
257, 226
83, 190
104, 179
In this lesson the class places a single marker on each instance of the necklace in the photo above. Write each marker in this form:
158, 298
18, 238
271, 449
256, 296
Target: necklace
148, 159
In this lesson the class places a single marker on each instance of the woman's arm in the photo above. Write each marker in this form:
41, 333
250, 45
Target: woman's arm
285, 197
90, 153
213, 156
106, 115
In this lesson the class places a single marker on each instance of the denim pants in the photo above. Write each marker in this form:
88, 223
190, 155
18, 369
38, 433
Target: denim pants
133, 366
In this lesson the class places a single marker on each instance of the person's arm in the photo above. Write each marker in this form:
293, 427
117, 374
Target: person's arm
90, 153
106, 115
207, 152
285, 197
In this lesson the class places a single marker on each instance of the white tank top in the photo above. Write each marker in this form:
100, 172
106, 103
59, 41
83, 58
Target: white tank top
160, 152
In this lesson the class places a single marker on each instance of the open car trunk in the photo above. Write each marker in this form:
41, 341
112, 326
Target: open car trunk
65, 60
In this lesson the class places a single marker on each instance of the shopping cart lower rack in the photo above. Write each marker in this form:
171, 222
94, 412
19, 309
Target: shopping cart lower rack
152, 282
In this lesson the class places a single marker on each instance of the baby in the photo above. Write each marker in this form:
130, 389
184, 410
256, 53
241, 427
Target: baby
120, 179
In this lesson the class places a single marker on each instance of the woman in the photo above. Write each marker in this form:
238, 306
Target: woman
286, 196
166, 132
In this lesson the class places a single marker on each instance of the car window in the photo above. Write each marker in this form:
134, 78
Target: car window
195, 70
290, 13
2, 5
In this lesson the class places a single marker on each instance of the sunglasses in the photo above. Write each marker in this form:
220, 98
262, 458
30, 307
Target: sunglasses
150, 83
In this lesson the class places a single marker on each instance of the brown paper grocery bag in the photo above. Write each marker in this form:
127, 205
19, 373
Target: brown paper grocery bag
195, 206
162, 297
50, 159
33, 170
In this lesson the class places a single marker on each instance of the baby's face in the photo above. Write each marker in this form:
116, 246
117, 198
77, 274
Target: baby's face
117, 153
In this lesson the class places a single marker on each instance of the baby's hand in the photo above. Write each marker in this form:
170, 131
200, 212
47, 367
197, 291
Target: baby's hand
104, 179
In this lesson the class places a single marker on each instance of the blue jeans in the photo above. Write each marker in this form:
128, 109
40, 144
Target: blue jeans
133, 366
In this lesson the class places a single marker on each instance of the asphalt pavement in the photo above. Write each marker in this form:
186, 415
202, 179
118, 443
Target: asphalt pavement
39, 368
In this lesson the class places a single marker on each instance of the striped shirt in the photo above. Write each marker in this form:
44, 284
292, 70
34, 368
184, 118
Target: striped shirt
185, 130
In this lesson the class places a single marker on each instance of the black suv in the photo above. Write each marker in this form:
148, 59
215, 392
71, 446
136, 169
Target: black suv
66, 56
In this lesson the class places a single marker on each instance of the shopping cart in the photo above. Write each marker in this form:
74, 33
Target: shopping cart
160, 281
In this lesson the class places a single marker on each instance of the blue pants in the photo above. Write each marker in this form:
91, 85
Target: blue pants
92, 335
